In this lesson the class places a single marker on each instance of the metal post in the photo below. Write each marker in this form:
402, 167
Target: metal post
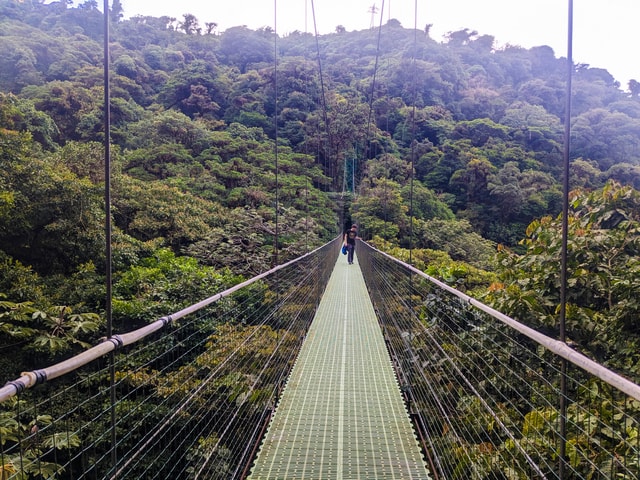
107, 223
565, 234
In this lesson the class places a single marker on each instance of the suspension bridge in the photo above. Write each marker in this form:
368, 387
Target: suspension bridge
321, 369
318, 369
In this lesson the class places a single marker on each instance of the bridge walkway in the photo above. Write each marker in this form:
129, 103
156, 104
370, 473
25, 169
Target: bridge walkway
341, 414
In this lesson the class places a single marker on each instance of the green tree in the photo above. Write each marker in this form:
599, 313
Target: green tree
211, 28
46, 332
164, 282
18, 66
380, 209
516, 199
169, 127
603, 269
624, 173
474, 179
426, 204
197, 89
241, 47
458, 239
66, 103
585, 174
152, 210
85, 159
26, 461
41, 127
479, 131
117, 11
50, 219
390, 167
606, 137
189, 24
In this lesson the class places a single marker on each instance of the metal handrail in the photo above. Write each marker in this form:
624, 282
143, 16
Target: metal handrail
116, 342
555, 346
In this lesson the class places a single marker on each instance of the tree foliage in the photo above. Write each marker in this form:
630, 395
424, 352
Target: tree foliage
602, 308
27, 462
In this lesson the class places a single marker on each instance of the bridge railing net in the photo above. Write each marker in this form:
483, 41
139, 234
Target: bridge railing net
189, 401
486, 398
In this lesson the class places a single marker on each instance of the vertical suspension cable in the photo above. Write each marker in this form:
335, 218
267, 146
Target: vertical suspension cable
306, 144
373, 83
275, 123
322, 95
327, 145
354, 164
367, 142
413, 126
344, 175
107, 228
565, 235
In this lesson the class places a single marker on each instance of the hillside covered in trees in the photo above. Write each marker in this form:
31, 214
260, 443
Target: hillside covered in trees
200, 120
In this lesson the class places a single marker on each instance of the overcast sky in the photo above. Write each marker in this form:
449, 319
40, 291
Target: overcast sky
606, 32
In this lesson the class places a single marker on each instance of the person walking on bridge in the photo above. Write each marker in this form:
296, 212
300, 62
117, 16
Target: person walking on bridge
350, 242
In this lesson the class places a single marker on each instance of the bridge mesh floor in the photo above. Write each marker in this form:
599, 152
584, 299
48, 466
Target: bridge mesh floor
341, 415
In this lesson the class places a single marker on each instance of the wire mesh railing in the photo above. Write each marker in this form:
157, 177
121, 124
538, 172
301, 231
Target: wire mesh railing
193, 390
484, 390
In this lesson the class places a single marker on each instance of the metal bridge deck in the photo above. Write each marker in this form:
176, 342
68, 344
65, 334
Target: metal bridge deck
341, 415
